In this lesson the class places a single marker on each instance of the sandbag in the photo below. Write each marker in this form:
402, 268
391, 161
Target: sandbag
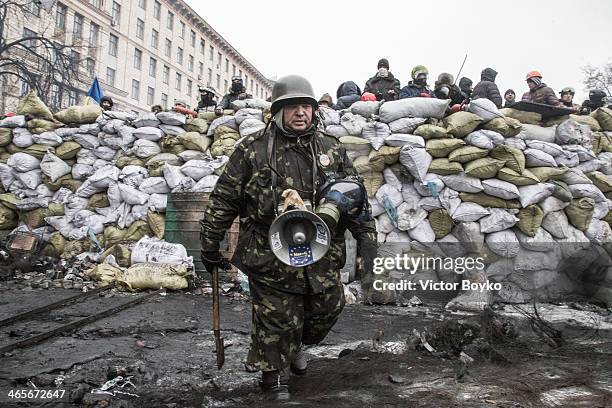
545, 174
145, 148
416, 160
533, 194
514, 158
441, 148
33, 106
602, 181
400, 140
23, 162
556, 223
79, 114
534, 132
603, 117
441, 223
466, 154
154, 276
413, 107
423, 232
485, 139
409, 216
599, 232
497, 220
428, 131
571, 132
579, 213
538, 158
407, 125
463, 183
157, 224
469, 235
489, 201
507, 127
530, 219
503, 243
365, 108
485, 109
196, 169
516, 143
483, 168
500, 188
587, 190
171, 118
132, 196
352, 123
250, 127
336, 131
54, 167
445, 167
389, 155
529, 118
461, 124
466, 212
375, 133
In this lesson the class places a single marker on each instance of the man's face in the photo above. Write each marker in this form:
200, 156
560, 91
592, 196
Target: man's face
567, 97
531, 84
106, 105
297, 117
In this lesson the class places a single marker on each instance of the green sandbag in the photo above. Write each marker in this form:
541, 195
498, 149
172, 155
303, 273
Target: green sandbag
507, 127
8, 218
604, 117
172, 144
6, 136
443, 147
518, 179
122, 255
545, 174
364, 164
32, 105
207, 116
428, 131
441, 223
38, 126
129, 161
372, 181
467, 154
486, 200
99, 200
196, 125
38, 150
225, 132
9, 200
388, 154
484, 168
562, 191
79, 115
137, 230
444, 167
530, 219
113, 235
580, 212
157, 224
194, 141
513, 157
530, 118
67, 150
460, 124
74, 248
55, 246
601, 181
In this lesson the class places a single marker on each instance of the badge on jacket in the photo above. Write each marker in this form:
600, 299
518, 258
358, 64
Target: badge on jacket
324, 160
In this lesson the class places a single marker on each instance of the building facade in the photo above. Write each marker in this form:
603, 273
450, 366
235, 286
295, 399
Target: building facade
143, 52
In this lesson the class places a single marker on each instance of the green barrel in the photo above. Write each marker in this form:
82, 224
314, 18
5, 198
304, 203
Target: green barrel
183, 215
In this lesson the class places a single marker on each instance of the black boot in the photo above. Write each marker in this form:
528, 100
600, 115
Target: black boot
275, 384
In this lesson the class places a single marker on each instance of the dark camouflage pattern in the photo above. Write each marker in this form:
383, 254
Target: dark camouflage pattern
244, 189
282, 321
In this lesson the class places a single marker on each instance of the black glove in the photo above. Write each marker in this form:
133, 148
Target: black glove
214, 259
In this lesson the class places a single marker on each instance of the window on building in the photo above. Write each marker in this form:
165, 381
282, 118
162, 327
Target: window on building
200, 70
211, 53
219, 57
170, 21
227, 66
150, 96
77, 30
190, 63
183, 27
72, 98
156, 9
164, 101
168, 49
225, 85
34, 8
154, 38
139, 28
90, 67
233, 69
75, 59
179, 55
110, 76
189, 86
256, 89
246, 81
179, 79
209, 77
135, 89
218, 81
192, 38
113, 44
142, 4
55, 96
116, 14
94, 34
29, 33
137, 58
152, 67
202, 46
251, 85
97, 3
240, 73
60, 16
166, 75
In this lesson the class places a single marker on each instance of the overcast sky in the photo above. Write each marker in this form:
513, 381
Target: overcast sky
333, 41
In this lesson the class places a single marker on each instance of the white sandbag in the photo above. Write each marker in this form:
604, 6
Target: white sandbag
114, 195
538, 158
185, 186
535, 193
485, 139
503, 243
500, 188
575, 176
410, 195
572, 132
388, 193
22, 138
81, 218
154, 250
90, 128
397, 236
463, 183
542, 241
85, 156
567, 159
206, 184
196, 169
485, 109
551, 204
171, 118
431, 185
556, 223
154, 185
145, 148
450, 200
158, 202
406, 125
468, 233
605, 159
601, 209
121, 115
416, 160
23, 162
413, 107
17, 121
430, 203
188, 155
336, 131
251, 126
147, 119
251, 103
375, 207
583, 153
115, 142
132, 196
30, 179
467, 212
87, 189
352, 123
112, 126
575, 242
32, 203
423, 232
409, 216
498, 219
150, 133
100, 163
251, 113
551, 148
54, 167
516, 143
47, 139
226, 120
400, 140
330, 116
86, 140
391, 179
535, 132
365, 108
173, 175
57, 222
6, 176
103, 176
590, 166
62, 195
587, 190
105, 153
43, 191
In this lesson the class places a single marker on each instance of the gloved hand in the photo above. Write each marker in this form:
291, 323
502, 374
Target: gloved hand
214, 259
456, 108
425, 95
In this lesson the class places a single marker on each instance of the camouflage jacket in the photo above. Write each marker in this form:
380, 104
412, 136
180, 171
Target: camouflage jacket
244, 189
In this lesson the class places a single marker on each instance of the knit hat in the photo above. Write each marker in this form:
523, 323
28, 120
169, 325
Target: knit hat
326, 98
383, 62
536, 80
509, 91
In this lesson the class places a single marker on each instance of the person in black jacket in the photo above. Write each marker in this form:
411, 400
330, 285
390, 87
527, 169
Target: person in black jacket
465, 84
596, 100
486, 88
237, 92
445, 88
509, 97
384, 85
347, 94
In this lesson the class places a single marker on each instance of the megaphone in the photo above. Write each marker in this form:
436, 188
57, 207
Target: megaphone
299, 238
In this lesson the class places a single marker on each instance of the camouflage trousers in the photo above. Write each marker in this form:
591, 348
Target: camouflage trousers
283, 321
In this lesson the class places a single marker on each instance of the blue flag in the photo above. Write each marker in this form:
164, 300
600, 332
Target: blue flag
95, 92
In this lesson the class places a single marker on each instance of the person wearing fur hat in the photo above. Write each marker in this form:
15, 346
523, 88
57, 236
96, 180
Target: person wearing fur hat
384, 85
445, 88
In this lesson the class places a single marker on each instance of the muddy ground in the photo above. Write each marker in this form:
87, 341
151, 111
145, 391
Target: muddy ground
374, 356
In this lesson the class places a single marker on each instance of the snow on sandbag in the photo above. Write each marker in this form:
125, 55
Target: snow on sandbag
365, 108
22, 162
17, 121
497, 220
158, 202
485, 139
104, 176
587, 190
406, 125
485, 109
400, 140
251, 113
86, 140
196, 169
416, 160
145, 148
251, 103
423, 232
132, 195
388, 193
54, 167
572, 132
251, 126
469, 235
542, 241
500, 188
413, 107
538, 158
330, 116
148, 133
556, 223
352, 123
375, 133
552, 149
228, 121
172, 118
22, 138
503, 243
206, 184
47, 139
147, 119
535, 193
154, 185
463, 183
534, 132
466, 212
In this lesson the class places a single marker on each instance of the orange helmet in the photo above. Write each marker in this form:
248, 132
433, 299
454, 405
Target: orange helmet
534, 74
368, 96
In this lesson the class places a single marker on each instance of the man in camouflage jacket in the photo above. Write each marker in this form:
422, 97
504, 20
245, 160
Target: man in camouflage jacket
292, 306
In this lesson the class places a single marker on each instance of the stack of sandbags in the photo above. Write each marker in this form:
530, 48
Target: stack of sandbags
524, 197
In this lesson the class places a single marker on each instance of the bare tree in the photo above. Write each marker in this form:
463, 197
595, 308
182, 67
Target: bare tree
37, 59
598, 77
